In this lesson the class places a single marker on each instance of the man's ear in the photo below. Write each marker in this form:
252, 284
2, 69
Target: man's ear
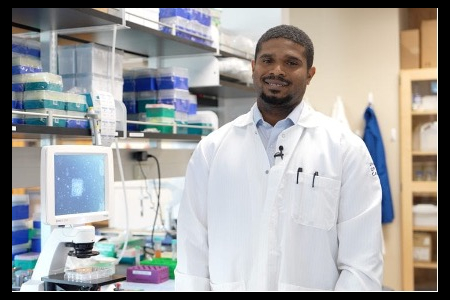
311, 73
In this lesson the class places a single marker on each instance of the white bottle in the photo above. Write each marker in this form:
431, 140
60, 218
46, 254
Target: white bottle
416, 101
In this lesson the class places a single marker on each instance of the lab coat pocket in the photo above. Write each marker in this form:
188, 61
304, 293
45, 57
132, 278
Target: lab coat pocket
315, 201
228, 286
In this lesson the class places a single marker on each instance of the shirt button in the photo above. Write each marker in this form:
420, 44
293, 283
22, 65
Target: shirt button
267, 171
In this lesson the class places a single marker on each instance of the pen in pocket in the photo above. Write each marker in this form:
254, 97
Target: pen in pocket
314, 177
299, 170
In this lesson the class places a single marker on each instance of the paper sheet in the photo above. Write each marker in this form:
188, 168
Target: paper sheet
104, 107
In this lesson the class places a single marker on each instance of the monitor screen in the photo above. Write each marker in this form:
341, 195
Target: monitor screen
76, 184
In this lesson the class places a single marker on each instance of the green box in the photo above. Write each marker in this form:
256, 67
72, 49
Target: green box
162, 128
163, 261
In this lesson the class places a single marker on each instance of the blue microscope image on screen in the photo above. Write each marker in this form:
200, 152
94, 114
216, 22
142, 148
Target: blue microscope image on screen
79, 184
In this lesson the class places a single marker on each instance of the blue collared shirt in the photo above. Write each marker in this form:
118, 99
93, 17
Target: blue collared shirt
269, 134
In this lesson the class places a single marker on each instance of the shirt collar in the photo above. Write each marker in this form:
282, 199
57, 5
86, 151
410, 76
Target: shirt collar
293, 117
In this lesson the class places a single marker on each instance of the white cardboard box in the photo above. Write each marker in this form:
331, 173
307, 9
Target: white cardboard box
425, 215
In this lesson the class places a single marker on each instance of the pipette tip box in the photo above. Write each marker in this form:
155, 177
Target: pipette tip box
147, 274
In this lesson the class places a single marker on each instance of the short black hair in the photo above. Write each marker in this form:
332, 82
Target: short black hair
292, 33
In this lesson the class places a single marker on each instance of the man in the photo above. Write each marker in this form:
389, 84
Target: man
283, 197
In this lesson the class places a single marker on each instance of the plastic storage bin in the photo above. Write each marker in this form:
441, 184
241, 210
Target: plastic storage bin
19, 233
92, 58
172, 78
26, 261
20, 207
19, 249
425, 215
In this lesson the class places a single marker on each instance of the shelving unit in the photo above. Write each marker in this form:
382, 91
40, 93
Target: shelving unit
417, 275
136, 39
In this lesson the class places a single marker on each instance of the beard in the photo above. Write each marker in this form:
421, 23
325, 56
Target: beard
284, 101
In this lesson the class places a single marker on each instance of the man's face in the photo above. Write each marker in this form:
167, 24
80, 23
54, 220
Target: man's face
280, 73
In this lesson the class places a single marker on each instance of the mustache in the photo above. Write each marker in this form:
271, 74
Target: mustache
278, 77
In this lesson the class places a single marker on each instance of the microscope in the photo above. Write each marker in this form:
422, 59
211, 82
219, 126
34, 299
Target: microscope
53, 257
76, 186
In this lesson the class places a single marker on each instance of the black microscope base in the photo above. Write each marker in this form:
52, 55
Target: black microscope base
57, 282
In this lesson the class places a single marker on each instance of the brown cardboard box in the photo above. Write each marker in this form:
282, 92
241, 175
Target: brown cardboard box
428, 44
417, 15
410, 49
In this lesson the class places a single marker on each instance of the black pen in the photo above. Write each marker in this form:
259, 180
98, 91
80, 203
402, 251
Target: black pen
299, 170
314, 177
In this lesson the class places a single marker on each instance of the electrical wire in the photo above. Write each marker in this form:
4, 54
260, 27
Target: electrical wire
158, 202
147, 189
122, 178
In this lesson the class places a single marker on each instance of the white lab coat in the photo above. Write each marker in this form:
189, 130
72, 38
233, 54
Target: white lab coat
243, 225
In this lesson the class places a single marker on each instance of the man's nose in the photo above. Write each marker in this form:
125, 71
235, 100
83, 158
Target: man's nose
278, 70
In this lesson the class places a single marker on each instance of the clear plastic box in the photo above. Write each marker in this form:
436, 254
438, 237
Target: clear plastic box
86, 274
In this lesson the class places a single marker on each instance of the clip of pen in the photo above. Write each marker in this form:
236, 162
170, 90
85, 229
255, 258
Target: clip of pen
299, 170
314, 177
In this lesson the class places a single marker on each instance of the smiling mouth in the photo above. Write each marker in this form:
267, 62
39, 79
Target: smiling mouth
275, 82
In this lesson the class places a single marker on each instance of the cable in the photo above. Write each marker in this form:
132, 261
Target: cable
122, 178
157, 201
147, 188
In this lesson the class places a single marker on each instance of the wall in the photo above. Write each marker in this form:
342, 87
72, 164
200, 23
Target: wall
357, 52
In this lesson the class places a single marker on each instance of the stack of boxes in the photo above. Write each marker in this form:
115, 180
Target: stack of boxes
159, 96
26, 241
425, 215
86, 67
173, 99
20, 215
189, 23
41, 92
26, 56
139, 89
418, 47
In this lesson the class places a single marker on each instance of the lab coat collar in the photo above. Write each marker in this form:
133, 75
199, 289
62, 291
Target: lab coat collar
307, 117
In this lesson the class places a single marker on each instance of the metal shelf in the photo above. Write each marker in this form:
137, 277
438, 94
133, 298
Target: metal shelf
164, 136
23, 131
226, 89
137, 39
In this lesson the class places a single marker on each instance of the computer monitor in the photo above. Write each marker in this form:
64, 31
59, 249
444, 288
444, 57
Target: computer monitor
77, 183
